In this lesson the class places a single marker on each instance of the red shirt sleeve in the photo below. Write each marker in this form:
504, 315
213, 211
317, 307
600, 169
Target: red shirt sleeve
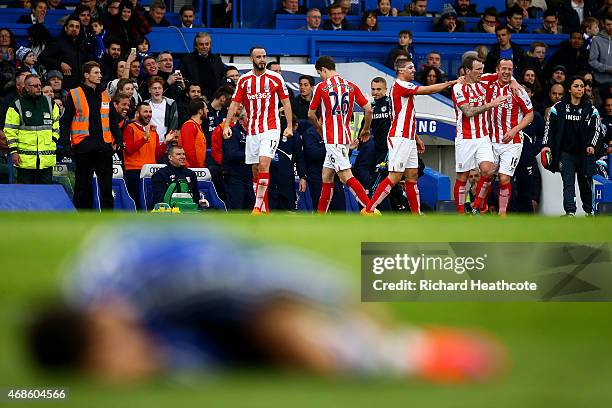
239, 92
188, 136
216, 142
282, 91
359, 97
316, 98
132, 143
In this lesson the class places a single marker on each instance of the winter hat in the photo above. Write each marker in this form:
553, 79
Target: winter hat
54, 73
560, 68
448, 11
23, 52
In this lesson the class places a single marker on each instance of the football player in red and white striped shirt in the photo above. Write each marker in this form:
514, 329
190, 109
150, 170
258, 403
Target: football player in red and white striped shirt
506, 123
402, 139
259, 91
335, 97
472, 144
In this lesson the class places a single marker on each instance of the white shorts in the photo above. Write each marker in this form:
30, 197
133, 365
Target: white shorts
402, 154
471, 152
507, 156
263, 144
337, 157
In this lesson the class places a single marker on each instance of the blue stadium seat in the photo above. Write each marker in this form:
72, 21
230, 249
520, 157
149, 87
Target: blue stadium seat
31, 197
207, 188
122, 201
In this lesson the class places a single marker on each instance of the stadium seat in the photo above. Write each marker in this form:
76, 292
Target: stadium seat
351, 202
146, 188
207, 188
34, 197
122, 201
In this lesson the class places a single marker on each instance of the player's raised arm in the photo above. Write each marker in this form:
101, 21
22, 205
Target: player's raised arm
435, 88
470, 111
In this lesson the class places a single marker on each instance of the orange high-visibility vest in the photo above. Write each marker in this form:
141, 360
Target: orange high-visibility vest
79, 128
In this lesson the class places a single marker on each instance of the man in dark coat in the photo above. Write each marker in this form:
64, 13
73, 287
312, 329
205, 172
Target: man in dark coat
204, 67
506, 49
571, 55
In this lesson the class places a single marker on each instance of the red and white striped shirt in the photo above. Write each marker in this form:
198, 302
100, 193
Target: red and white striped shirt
507, 115
260, 96
402, 109
476, 95
336, 97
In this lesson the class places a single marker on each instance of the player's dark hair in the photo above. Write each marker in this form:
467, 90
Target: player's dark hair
325, 62
57, 337
309, 78
255, 47
269, 64
468, 62
499, 61
195, 106
380, 80
224, 90
502, 27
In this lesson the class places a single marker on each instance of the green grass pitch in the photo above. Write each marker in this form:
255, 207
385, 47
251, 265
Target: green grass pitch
561, 353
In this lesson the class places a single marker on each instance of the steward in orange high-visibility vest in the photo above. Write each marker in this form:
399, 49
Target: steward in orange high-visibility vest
79, 128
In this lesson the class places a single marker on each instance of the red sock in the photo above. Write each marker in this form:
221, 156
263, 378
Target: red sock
383, 190
485, 200
481, 191
505, 190
358, 191
327, 192
459, 192
414, 199
255, 181
262, 192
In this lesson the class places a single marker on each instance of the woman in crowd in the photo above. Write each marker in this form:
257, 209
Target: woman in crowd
384, 8
127, 26
369, 21
431, 75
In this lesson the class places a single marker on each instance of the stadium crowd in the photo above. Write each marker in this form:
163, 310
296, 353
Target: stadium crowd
112, 99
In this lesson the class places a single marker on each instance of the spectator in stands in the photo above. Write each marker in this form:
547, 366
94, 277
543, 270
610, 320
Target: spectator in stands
336, 20
600, 54
276, 67
172, 173
149, 70
67, 54
383, 8
369, 21
238, 176
529, 11
550, 23
572, 132
465, 9
487, 22
404, 43
558, 74
554, 95
349, 7
109, 60
187, 16
514, 20
112, 9
217, 110
448, 23
313, 20
174, 82
55, 79
232, 75
99, 35
589, 28
416, 8
13, 94
37, 15
126, 86
193, 92
573, 12
528, 76
32, 130
434, 59
143, 146
571, 54
87, 127
301, 102
7, 45
56, 5
134, 67
164, 110
430, 76
221, 13
287, 163
482, 51
192, 137
536, 57
21, 4
86, 36
128, 25
202, 66
93, 6
121, 105
291, 7
27, 60
157, 14
505, 48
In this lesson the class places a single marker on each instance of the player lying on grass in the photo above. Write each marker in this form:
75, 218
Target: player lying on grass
189, 300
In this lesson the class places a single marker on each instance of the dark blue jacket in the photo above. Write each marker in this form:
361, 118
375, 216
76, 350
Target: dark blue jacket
234, 155
288, 154
365, 164
314, 151
532, 137
162, 179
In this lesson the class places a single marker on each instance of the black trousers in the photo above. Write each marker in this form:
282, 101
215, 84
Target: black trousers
523, 185
132, 182
239, 193
34, 176
572, 166
282, 198
85, 165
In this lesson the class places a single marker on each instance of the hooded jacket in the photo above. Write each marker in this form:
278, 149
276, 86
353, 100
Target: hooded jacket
600, 57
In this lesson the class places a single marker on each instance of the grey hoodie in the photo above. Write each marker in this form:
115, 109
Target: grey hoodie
600, 57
